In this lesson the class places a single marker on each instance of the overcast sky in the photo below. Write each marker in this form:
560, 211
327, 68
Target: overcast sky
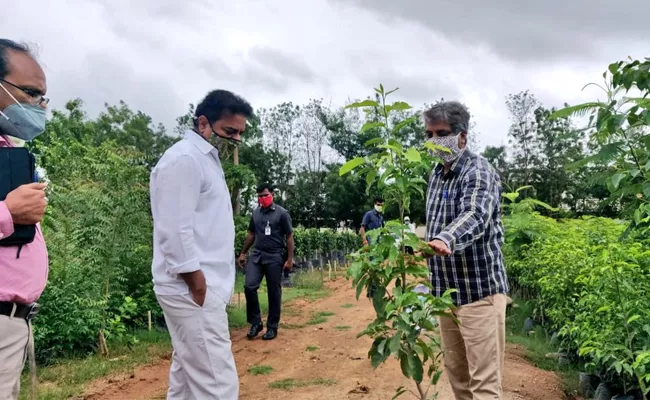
160, 55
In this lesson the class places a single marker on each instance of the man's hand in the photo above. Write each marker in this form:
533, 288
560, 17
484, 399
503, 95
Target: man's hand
27, 203
288, 264
198, 288
439, 247
242, 260
365, 242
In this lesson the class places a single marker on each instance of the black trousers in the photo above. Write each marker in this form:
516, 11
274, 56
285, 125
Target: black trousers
259, 266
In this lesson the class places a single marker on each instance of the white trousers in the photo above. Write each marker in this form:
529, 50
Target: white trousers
14, 334
203, 366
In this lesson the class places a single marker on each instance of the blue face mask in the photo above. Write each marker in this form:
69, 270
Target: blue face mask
22, 120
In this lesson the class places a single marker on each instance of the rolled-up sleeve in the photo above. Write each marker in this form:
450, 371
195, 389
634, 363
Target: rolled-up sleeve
175, 198
6, 221
476, 206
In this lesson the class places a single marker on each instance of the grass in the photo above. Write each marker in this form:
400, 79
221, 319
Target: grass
284, 325
343, 328
68, 378
347, 305
319, 317
260, 370
288, 384
312, 348
538, 344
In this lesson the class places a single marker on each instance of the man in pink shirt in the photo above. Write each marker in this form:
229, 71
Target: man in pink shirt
23, 272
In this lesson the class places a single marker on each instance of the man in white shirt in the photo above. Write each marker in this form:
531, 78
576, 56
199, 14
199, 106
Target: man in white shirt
194, 250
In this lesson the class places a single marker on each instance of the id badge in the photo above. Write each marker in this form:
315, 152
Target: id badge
267, 230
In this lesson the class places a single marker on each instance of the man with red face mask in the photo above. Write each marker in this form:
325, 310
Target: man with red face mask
270, 229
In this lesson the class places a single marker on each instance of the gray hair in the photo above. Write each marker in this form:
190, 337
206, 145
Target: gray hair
451, 112
5, 46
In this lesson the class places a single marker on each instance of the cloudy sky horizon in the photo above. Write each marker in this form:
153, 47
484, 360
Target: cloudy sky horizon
160, 55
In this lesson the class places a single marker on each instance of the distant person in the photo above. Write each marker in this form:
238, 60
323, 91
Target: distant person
373, 219
411, 226
271, 233
194, 250
465, 231
23, 258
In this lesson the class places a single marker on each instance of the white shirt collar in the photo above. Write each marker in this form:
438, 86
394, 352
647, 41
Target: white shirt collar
197, 140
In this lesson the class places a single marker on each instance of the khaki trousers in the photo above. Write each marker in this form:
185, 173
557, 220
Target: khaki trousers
14, 336
203, 366
474, 349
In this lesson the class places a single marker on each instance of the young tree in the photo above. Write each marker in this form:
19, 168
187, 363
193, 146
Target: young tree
404, 318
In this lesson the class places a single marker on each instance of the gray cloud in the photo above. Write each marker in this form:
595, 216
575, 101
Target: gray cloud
525, 30
372, 69
104, 79
282, 63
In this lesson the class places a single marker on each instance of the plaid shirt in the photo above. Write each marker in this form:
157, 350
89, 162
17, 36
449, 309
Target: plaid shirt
463, 211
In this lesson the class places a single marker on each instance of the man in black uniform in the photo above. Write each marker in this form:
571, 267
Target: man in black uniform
270, 229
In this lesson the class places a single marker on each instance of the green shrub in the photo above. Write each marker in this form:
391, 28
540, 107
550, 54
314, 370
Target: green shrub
591, 285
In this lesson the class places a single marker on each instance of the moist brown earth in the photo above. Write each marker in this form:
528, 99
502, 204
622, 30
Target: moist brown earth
336, 368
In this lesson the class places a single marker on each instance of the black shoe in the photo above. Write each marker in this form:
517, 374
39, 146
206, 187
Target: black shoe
255, 330
270, 334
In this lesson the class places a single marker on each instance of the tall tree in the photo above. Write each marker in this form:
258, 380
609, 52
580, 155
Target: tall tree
522, 108
282, 134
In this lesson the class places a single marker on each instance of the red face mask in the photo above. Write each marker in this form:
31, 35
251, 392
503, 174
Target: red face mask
266, 201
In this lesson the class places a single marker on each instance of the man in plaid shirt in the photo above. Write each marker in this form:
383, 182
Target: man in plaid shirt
464, 229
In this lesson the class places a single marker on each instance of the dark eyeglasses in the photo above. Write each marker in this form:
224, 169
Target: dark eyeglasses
37, 97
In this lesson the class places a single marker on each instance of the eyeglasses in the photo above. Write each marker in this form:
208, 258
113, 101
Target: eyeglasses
36, 96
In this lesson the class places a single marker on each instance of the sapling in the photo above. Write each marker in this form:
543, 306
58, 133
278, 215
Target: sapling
405, 318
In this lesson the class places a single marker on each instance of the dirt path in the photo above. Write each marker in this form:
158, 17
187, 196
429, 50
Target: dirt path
336, 367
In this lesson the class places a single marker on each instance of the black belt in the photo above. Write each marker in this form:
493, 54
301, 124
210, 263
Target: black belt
23, 311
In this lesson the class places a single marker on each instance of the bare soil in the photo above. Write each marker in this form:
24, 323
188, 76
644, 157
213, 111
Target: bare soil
327, 358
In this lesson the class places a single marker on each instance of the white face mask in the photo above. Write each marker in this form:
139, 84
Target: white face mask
450, 142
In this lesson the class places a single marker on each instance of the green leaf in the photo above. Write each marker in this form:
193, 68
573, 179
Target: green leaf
416, 368
371, 125
350, 165
413, 155
603, 309
365, 103
633, 318
616, 179
360, 286
373, 141
400, 106
382, 346
435, 147
400, 391
370, 179
401, 125
404, 364
395, 343
579, 110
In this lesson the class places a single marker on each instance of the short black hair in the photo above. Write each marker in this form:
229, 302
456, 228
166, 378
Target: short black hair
219, 103
263, 186
379, 199
5, 46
